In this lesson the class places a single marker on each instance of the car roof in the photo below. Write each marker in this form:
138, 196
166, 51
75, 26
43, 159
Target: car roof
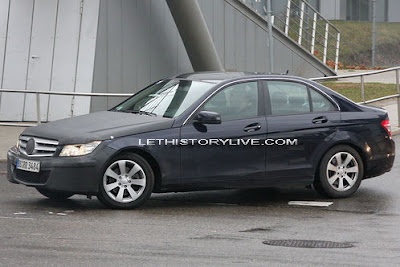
223, 76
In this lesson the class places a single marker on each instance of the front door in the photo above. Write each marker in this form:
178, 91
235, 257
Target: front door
233, 164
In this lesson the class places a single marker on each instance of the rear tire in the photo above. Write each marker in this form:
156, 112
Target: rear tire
127, 182
54, 195
340, 172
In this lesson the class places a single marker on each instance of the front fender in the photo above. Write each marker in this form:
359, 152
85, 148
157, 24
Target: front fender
166, 156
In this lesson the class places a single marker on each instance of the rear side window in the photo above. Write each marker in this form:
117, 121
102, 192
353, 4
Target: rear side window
288, 98
296, 98
320, 103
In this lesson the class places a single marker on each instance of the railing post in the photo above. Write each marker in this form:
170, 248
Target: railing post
337, 51
301, 23
287, 17
270, 37
314, 29
398, 97
326, 42
38, 108
362, 89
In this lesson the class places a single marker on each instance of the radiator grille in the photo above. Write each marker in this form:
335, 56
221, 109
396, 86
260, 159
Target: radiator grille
42, 147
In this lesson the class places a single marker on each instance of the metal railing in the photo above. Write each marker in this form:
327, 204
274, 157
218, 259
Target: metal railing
38, 93
307, 27
319, 79
362, 85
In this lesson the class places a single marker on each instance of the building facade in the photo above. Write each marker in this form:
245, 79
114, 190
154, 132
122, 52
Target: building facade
358, 10
119, 46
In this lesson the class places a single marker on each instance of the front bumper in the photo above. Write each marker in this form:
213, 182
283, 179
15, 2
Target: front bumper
79, 175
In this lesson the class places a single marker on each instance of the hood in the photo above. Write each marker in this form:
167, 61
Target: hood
98, 126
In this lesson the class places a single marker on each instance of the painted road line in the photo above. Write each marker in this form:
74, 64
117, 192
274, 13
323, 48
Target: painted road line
311, 203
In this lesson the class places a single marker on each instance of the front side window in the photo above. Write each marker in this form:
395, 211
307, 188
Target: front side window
239, 101
167, 98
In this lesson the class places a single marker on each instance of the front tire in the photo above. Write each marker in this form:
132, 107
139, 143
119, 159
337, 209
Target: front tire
54, 195
340, 172
127, 182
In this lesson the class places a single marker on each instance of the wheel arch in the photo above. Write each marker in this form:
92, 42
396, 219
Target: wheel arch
149, 158
353, 145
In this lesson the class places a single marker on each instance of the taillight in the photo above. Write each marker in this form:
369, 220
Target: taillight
386, 124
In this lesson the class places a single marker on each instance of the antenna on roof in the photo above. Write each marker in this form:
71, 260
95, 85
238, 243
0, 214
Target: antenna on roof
283, 73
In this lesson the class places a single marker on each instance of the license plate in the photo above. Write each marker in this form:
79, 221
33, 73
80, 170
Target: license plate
28, 165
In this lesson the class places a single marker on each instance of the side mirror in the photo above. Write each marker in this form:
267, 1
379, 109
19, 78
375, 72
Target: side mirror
207, 117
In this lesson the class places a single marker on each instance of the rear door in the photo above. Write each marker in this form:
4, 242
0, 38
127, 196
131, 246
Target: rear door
305, 116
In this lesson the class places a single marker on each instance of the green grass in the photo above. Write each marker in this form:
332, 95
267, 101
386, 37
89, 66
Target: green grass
353, 90
356, 43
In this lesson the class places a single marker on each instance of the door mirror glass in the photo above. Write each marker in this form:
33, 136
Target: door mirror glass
207, 117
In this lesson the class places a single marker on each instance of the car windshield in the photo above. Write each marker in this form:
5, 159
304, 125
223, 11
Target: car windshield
167, 98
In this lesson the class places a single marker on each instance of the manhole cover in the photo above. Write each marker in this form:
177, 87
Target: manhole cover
307, 244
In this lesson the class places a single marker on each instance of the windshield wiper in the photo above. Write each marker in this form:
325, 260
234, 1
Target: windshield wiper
140, 112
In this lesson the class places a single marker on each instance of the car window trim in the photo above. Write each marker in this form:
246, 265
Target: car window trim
307, 113
309, 99
267, 98
189, 117
261, 100
309, 87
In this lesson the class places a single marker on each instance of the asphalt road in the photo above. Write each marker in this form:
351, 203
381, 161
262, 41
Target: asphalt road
215, 228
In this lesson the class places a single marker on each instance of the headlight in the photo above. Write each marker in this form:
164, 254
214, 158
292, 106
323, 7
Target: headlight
17, 145
79, 150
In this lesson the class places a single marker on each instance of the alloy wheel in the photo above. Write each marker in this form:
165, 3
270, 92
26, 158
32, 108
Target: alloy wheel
342, 171
124, 181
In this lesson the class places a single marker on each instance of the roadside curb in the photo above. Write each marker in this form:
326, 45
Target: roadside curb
396, 132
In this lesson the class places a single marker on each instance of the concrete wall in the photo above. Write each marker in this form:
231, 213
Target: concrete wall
331, 9
394, 11
380, 11
245, 46
120, 46
138, 43
337, 10
46, 45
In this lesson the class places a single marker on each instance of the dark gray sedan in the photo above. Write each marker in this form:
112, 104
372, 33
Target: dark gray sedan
204, 131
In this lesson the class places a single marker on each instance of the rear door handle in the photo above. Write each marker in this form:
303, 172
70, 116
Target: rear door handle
252, 127
319, 120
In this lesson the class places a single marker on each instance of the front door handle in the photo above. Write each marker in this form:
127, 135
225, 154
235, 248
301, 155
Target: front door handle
252, 127
319, 120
